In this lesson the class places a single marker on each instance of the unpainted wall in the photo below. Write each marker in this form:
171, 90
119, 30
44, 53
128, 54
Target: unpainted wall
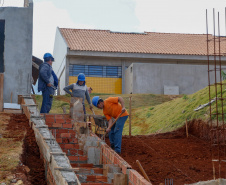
151, 78
59, 54
17, 51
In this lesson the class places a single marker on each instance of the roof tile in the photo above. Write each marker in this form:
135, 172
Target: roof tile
148, 42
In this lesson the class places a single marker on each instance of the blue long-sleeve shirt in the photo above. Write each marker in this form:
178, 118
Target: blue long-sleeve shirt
45, 73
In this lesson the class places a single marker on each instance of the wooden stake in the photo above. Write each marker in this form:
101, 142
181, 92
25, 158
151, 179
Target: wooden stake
130, 115
1, 91
214, 177
186, 128
142, 170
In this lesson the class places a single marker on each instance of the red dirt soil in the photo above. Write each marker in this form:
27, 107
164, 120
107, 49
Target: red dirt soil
31, 170
172, 155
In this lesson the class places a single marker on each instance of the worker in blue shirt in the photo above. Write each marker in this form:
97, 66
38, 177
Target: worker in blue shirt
47, 82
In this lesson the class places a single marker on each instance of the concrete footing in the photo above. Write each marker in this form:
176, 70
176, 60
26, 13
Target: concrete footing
211, 182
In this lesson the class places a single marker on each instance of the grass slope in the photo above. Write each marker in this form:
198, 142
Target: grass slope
172, 115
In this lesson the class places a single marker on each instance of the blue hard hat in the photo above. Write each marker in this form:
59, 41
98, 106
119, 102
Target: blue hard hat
47, 57
81, 77
95, 100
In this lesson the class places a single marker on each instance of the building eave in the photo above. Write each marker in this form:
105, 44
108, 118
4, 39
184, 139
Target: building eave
73, 53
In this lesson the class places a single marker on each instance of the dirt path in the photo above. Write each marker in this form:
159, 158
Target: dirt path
170, 156
31, 168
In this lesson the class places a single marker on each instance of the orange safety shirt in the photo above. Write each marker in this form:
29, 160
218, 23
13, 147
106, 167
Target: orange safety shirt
112, 108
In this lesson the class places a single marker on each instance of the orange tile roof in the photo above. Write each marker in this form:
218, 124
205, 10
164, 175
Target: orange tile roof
149, 42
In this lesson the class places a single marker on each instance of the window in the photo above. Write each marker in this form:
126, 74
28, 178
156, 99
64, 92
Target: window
96, 71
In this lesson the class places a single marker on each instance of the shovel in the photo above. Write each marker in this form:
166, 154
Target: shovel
103, 136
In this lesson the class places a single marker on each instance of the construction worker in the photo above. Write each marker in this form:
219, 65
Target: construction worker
112, 108
79, 90
47, 82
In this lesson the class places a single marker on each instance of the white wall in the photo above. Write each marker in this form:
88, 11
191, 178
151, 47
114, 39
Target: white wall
59, 54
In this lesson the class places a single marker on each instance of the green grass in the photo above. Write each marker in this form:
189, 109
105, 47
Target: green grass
171, 115
155, 113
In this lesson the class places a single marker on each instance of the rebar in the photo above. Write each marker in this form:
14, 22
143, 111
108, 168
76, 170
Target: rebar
217, 132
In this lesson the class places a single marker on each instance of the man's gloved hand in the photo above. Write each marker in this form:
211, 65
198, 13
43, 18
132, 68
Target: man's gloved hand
123, 109
49, 85
91, 107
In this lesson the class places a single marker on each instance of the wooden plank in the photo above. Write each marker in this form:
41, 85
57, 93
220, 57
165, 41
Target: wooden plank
142, 170
120, 179
1, 91
13, 111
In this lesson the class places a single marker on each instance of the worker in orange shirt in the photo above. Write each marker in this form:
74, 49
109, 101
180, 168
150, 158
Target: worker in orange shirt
112, 107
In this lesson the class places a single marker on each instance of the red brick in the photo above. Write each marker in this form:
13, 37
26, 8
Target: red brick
62, 146
76, 151
58, 135
73, 135
80, 152
73, 158
82, 158
49, 116
73, 140
73, 151
67, 125
49, 124
69, 146
98, 170
59, 140
91, 178
65, 140
60, 120
63, 131
71, 131
57, 125
68, 120
59, 116
65, 135
101, 178
50, 120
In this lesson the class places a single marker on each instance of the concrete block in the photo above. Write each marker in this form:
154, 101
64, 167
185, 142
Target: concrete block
110, 177
94, 154
171, 90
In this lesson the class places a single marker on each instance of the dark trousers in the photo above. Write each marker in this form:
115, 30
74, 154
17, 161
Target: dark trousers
47, 99
115, 135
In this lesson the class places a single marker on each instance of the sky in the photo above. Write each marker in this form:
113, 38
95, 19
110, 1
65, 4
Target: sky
166, 16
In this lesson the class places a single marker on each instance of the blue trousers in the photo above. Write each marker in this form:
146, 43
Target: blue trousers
115, 134
47, 100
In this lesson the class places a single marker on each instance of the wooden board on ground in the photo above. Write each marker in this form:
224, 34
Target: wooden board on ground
14, 111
